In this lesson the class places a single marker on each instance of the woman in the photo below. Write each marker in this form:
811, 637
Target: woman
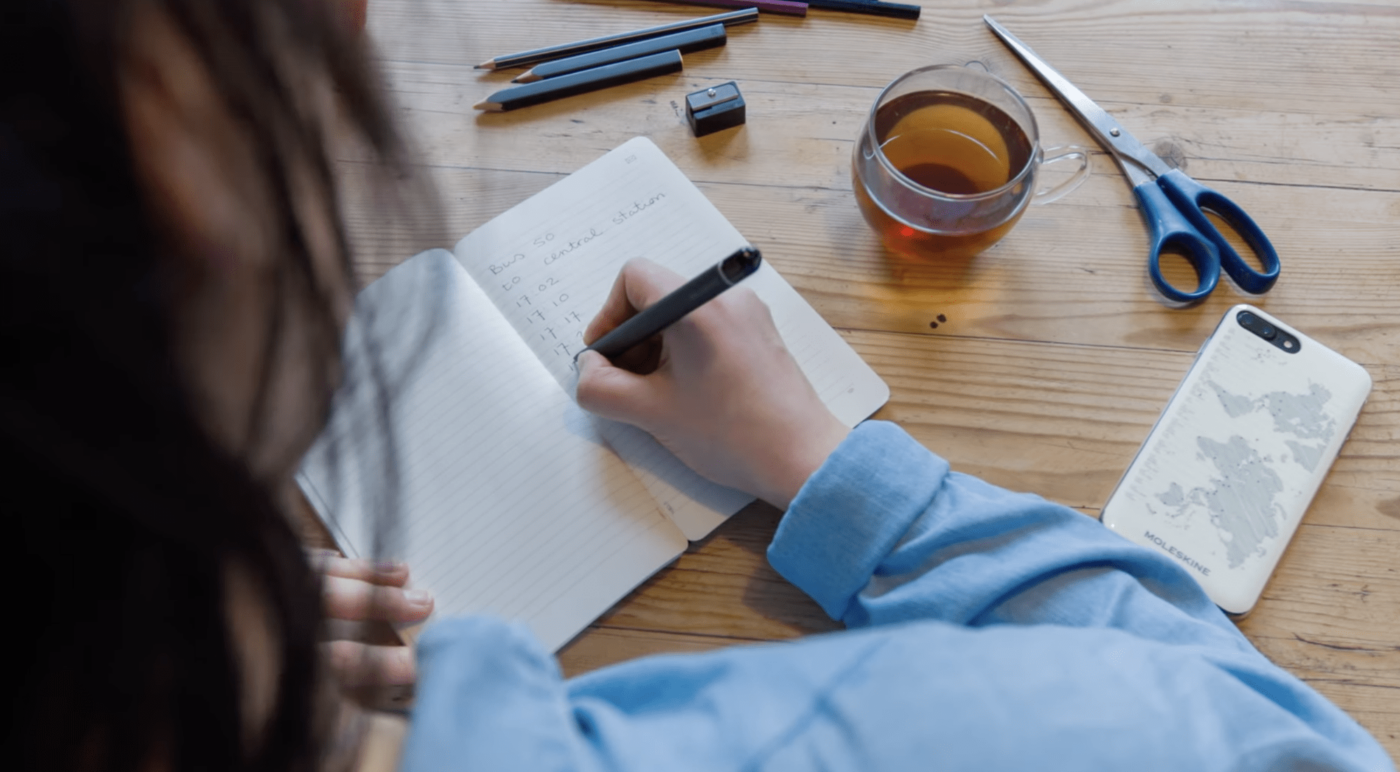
175, 285
175, 282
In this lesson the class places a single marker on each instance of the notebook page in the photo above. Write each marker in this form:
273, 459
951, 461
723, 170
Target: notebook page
510, 503
549, 263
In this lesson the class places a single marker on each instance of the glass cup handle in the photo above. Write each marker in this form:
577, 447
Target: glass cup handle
1055, 155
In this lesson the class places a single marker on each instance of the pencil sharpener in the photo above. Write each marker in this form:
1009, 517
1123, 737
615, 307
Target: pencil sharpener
714, 109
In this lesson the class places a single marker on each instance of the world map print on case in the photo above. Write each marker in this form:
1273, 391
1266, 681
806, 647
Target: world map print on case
1241, 497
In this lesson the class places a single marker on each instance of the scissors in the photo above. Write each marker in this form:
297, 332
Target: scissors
1173, 204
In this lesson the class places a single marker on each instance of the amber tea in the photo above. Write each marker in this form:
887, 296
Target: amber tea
946, 163
951, 142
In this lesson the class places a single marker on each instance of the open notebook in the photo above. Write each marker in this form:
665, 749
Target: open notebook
511, 499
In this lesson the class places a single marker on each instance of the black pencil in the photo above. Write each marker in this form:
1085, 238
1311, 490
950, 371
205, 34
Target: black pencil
582, 81
685, 42
874, 7
526, 58
675, 306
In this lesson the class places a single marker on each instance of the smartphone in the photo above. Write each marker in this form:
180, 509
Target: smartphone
1227, 472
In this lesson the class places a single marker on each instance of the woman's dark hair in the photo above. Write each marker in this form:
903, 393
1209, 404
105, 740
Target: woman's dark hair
130, 518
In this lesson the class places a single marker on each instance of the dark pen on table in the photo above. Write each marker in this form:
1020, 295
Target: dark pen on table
870, 7
677, 305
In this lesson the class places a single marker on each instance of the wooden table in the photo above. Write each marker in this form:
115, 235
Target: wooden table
1056, 356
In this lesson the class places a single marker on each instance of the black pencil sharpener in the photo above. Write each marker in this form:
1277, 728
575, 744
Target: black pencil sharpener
714, 109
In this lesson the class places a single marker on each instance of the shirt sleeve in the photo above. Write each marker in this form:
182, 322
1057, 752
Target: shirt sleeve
885, 533
989, 631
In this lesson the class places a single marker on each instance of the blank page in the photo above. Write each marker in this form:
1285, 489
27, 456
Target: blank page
549, 263
508, 501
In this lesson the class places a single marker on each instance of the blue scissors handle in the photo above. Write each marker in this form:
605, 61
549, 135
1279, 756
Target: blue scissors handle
1169, 230
1193, 199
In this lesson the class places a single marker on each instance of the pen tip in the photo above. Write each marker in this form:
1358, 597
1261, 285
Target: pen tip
525, 77
489, 64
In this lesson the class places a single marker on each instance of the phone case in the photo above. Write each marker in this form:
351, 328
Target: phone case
1230, 467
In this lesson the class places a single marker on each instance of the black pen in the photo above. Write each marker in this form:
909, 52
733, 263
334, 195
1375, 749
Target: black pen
873, 7
675, 306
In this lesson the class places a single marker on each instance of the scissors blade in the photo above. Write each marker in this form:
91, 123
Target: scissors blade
1097, 120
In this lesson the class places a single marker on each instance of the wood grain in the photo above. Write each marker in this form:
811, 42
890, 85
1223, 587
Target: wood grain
1054, 356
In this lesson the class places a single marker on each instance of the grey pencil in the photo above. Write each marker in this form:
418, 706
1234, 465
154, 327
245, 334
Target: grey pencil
685, 42
582, 81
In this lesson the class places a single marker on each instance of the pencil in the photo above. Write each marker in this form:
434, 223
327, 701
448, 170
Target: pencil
675, 306
526, 58
582, 81
874, 7
785, 7
685, 42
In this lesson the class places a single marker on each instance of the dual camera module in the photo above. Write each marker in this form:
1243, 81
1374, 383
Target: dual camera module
1281, 338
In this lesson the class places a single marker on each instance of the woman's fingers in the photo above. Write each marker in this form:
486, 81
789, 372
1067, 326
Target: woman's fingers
359, 600
366, 591
359, 664
612, 391
392, 573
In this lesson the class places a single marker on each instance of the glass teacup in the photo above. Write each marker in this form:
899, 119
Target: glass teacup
948, 161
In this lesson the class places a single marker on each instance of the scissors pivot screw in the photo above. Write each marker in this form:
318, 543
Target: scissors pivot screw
1114, 132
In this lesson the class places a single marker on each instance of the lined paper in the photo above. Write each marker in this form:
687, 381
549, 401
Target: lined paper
549, 263
509, 500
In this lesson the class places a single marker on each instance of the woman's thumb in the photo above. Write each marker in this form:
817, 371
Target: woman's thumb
611, 392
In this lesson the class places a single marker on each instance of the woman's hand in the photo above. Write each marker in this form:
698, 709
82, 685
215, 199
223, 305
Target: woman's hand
360, 591
719, 389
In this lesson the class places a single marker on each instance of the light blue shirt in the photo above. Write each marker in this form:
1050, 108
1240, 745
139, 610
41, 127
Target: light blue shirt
988, 630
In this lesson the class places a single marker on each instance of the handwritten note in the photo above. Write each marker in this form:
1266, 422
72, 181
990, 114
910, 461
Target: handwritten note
548, 265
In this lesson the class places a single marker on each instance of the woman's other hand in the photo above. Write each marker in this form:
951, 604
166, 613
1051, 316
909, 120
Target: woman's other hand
361, 591
719, 390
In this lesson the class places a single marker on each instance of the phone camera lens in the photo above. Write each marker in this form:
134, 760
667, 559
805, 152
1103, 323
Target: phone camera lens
1247, 319
1267, 332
